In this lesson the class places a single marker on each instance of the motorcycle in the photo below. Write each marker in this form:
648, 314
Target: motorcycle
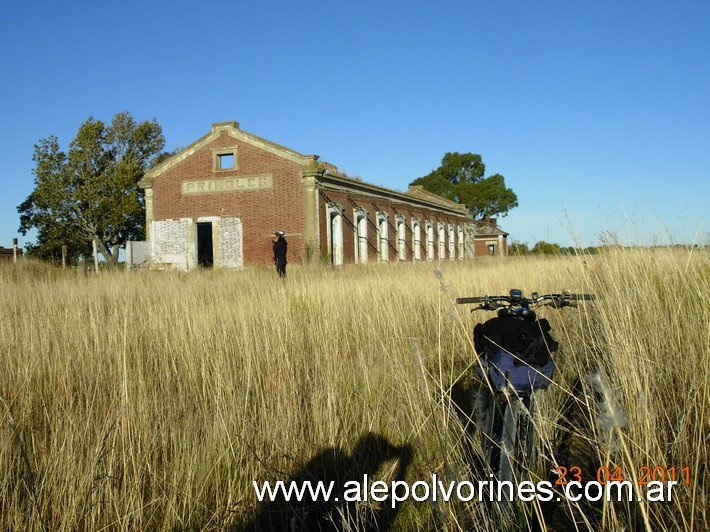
515, 361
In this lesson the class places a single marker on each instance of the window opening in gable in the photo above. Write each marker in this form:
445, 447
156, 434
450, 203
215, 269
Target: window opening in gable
225, 161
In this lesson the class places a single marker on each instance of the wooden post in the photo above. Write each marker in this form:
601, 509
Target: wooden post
64, 256
14, 250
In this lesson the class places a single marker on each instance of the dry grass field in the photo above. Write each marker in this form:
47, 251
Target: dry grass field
152, 400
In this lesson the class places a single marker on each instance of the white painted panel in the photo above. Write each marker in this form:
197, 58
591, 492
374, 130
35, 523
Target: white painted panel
230, 243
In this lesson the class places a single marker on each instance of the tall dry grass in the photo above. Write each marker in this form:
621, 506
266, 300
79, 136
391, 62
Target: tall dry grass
153, 400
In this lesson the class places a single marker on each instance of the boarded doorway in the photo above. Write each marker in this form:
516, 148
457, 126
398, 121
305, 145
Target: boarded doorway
205, 250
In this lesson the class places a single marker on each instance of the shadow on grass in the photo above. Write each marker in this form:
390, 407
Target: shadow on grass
334, 467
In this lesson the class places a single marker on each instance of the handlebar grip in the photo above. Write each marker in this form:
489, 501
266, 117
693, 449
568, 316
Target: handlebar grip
582, 297
465, 300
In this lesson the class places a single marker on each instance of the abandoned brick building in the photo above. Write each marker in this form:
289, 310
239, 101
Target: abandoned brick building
489, 238
9, 254
220, 200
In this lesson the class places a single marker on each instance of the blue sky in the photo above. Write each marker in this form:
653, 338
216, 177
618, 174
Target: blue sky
596, 113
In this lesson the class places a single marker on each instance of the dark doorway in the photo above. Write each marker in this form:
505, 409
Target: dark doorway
205, 257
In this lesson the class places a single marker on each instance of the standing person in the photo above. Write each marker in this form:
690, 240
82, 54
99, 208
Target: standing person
280, 249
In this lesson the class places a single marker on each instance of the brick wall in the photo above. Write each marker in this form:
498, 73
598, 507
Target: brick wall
482, 243
7, 255
261, 211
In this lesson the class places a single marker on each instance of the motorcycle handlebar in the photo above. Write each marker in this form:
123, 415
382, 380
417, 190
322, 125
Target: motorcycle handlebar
497, 301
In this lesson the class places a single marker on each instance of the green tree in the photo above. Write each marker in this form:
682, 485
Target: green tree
546, 248
460, 178
518, 248
91, 192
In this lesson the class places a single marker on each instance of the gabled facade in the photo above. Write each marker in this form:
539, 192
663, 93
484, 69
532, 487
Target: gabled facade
219, 201
490, 239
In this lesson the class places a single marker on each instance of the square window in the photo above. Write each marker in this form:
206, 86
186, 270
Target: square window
225, 161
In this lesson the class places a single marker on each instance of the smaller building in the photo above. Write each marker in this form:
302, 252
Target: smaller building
490, 239
8, 254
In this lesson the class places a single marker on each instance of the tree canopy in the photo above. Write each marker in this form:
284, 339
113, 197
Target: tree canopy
91, 193
460, 178
546, 248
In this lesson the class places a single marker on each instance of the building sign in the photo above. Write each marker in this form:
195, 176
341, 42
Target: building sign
231, 184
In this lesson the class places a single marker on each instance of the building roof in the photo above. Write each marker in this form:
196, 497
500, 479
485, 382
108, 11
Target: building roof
488, 228
418, 191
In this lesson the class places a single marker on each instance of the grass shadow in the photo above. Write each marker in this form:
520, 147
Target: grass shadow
336, 468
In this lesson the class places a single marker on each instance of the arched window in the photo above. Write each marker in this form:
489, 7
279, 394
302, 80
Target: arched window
401, 236
382, 237
360, 217
461, 249
442, 241
429, 240
452, 242
335, 234
416, 239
